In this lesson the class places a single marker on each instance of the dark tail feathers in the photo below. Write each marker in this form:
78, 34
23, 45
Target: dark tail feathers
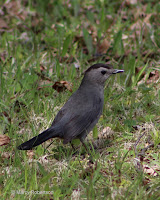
39, 139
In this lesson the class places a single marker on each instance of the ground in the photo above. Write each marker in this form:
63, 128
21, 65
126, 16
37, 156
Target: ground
45, 48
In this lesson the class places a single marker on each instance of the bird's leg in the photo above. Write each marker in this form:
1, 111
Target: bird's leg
91, 158
72, 146
85, 146
74, 149
75, 152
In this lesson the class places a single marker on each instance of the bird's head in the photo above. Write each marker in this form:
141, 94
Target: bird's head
99, 73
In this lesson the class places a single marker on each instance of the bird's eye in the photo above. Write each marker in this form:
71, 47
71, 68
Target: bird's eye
103, 72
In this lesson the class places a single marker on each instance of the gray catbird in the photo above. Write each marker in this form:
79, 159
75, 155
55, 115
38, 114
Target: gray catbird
81, 112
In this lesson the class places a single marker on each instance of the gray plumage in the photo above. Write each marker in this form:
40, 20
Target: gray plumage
81, 112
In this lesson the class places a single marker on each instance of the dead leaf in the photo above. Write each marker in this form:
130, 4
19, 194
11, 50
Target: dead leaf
5, 155
104, 46
3, 56
60, 86
44, 159
14, 8
30, 154
147, 18
4, 113
3, 24
142, 24
4, 140
24, 37
44, 84
150, 170
139, 12
42, 68
106, 133
76, 194
66, 59
36, 21
154, 77
131, 2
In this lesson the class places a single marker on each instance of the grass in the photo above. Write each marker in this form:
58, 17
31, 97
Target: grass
41, 43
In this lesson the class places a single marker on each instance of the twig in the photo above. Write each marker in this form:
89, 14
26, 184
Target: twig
140, 156
138, 140
142, 153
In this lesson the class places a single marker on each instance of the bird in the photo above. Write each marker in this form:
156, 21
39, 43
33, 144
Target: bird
81, 112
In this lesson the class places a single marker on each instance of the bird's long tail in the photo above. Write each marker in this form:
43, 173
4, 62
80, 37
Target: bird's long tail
39, 139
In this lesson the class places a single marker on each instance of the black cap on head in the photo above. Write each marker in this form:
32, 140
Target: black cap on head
98, 65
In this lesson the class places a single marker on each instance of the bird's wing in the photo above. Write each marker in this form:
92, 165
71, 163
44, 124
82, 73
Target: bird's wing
59, 116
81, 122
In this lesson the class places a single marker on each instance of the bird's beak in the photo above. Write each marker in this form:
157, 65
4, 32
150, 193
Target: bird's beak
117, 71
